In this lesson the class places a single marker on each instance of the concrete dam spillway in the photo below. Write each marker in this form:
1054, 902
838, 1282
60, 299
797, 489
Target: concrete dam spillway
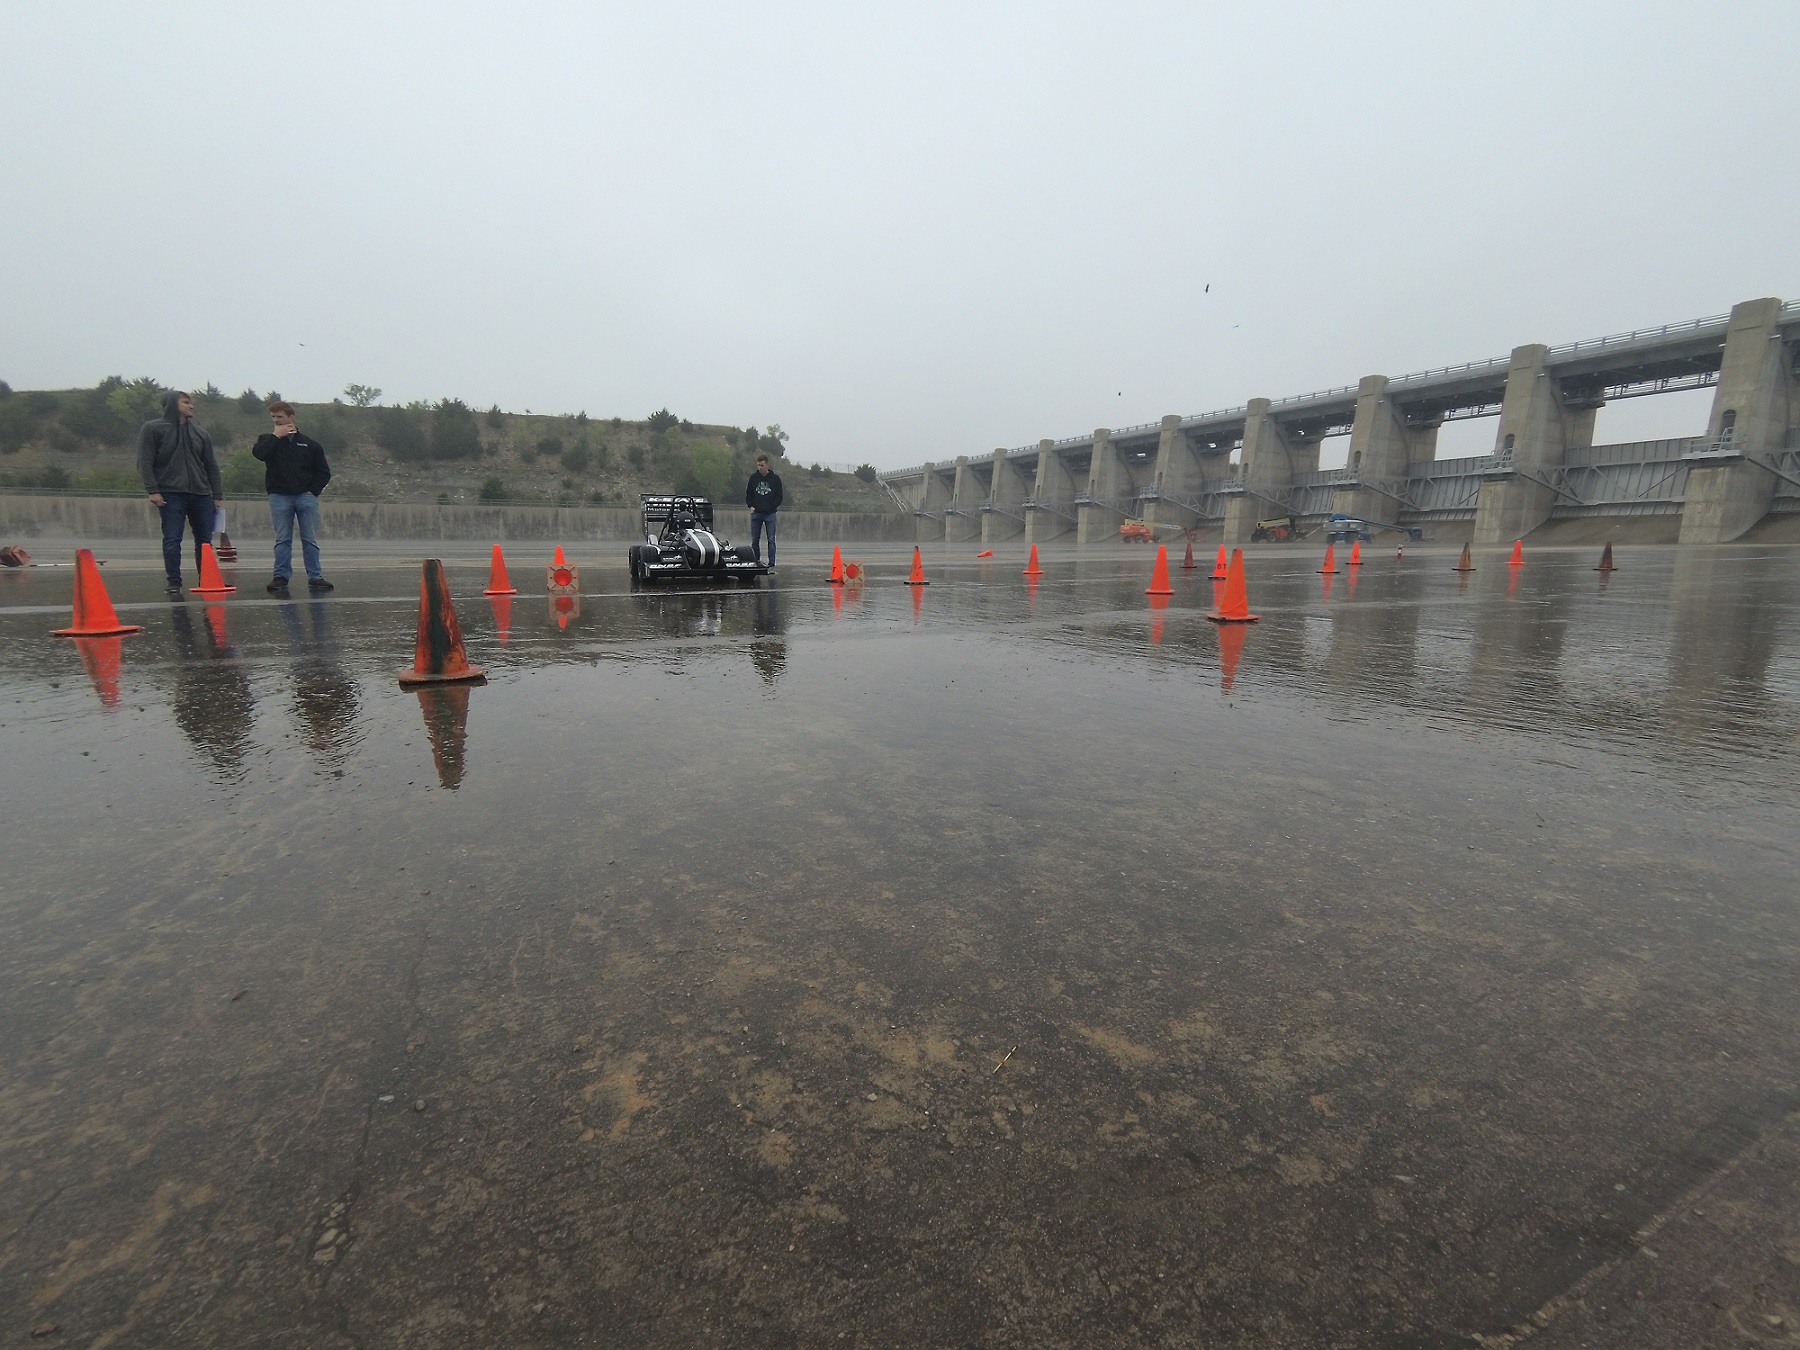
1226, 469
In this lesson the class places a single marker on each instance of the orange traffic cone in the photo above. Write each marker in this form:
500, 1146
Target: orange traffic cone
918, 573
1187, 561
1235, 607
1465, 563
438, 655
1606, 562
1219, 567
837, 567
498, 582
1330, 566
1356, 553
1032, 569
1518, 554
558, 560
227, 550
1159, 574
94, 615
985, 553
212, 580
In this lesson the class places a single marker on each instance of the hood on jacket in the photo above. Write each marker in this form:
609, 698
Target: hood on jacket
171, 405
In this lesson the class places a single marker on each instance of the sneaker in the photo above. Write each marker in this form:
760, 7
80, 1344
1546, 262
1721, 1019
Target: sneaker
278, 585
172, 588
319, 584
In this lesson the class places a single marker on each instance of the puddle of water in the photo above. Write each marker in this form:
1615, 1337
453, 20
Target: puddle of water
995, 962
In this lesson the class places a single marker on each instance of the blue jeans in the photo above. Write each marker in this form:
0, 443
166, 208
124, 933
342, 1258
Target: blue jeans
181, 510
284, 509
759, 521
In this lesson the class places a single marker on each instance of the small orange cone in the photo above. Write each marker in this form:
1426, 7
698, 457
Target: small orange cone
1032, 569
498, 582
1235, 607
1330, 566
837, 567
1159, 574
918, 573
1356, 553
558, 560
227, 549
1518, 554
1465, 563
1219, 568
93, 614
1187, 561
438, 655
212, 580
1606, 562
985, 553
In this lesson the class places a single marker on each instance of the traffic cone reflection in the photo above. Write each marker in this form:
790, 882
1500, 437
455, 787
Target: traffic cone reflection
438, 654
498, 582
502, 607
1159, 573
93, 614
1231, 648
1158, 603
1235, 607
212, 580
446, 709
101, 657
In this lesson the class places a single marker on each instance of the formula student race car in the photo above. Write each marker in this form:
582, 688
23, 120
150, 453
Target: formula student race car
679, 545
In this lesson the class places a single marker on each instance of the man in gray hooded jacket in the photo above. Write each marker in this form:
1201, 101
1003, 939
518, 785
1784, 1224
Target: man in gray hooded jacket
181, 474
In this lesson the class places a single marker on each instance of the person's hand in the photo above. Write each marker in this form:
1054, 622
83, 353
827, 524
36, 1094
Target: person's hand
156, 499
218, 503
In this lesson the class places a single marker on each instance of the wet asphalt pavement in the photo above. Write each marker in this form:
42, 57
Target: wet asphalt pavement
991, 964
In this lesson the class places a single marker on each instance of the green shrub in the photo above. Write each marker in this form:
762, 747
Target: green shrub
54, 477
398, 432
17, 425
577, 457
41, 404
243, 472
866, 472
248, 402
661, 420
89, 415
111, 480
550, 446
362, 395
494, 418
636, 455
493, 489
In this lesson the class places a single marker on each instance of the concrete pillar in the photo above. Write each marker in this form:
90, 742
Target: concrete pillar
962, 518
1754, 405
1178, 474
1007, 491
1535, 430
1055, 488
1269, 464
1107, 483
1381, 446
934, 497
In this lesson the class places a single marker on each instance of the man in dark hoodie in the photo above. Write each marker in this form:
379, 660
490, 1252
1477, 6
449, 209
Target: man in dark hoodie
176, 463
297, 473
763, 496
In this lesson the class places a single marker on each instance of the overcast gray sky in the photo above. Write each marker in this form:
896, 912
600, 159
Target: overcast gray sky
902, 231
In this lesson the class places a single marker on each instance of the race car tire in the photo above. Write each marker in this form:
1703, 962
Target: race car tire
745, 553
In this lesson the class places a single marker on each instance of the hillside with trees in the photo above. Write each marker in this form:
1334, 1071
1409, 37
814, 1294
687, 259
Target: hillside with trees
85, 440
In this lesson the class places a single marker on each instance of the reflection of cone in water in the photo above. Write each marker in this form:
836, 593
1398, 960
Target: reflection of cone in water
212, 580
502, 607
1235, 606
93, 614
918, 596
1518, 554
1031, 568
1187, 559
1330, 578
918, 570
498, 582
1606, 561
1158, 603
1159, 573
565, 607
438, 655
837, 601
1220, 570
1465, 563
836, 575
227, 550
1330, 565
1356, 553
1231, 648
215, 621
446, 709
101, 658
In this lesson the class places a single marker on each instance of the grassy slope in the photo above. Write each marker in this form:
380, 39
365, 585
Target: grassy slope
73, 430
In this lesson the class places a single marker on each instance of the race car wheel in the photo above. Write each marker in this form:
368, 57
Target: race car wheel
745, 553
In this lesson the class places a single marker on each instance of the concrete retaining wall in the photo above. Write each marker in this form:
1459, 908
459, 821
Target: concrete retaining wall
24, 516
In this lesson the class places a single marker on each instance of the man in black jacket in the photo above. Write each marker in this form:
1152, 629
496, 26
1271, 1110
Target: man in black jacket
179, 471
296, 474
763, 497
